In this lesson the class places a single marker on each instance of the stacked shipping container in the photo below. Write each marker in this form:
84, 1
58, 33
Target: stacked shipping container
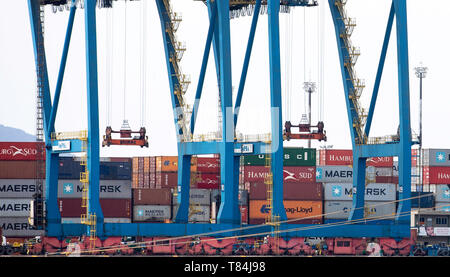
18, 171
302, 195
436, 174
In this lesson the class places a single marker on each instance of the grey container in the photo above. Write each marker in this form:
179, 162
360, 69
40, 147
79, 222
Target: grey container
373, 192
243, 196
19, 188
372, 209
436, 157
18, 227
197, 213
111, 189
197, 196
334, 174
149, 213
442, 206
15, 207
443, 193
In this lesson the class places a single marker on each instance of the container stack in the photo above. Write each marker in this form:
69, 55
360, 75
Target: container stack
207, 173
152, 205
436, 175
18, 171
199, 205
166, 172
301, 193
114, 189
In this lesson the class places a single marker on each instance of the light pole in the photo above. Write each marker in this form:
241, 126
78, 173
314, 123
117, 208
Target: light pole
421, 73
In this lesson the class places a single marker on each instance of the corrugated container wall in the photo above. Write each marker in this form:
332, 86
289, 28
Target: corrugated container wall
310, 211
19, 188
18, 227
291, 157
373, 192
20, 151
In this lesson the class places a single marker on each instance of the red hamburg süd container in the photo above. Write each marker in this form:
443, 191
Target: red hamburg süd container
345, 157
21, 169
152, 196
71, 207
437, 175
21, 151
291, 191
299, 174
207, 181
208, 165
255, 173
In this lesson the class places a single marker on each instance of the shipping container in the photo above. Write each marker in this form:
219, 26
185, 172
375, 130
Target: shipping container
70, 168
436, 175
303, 191
208, 165
425, 199
196, 196
197, 213
436, 157
371, 222
387, 179
166, 179
373, 192
291, 157
71, 207
152, 196
253, 173
294, 209
19, 188
372, 209
206, 180
151, 213
21, 169
14, 207
108, 189
443, 193
22, 151
18, 227
345, 157
334, 174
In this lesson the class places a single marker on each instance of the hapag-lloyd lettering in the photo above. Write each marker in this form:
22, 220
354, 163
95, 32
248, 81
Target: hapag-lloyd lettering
298, 210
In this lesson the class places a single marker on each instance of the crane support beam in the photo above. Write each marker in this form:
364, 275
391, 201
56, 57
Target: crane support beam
52, 164
248, 52
62, 66
229, 171
93, 151
379, 71
201, 78
404, 158
275, 103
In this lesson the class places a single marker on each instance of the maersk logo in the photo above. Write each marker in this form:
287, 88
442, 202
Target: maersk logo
68, 188
319, 174
440, 157
446, 194
336, 191
140, 212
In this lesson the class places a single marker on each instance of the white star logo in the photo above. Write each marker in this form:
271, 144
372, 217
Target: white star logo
67, 188
336, 191
318, 173
447, 194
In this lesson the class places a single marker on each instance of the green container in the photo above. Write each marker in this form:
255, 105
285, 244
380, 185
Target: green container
291, 157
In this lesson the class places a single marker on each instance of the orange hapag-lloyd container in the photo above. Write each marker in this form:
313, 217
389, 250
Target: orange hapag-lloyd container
294, 209
170, 164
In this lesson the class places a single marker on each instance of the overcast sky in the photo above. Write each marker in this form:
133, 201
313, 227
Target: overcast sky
427, 44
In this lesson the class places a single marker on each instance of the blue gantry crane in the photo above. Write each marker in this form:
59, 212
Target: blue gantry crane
227, 145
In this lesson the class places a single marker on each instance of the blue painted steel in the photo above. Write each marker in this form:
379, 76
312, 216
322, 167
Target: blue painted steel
173, 79
223, 230
404, 157
229, 209
51, 188
213, 6
379, 71
359, 183
93, 151
201, 78
275, 103
248, 52
62, 66
184, 174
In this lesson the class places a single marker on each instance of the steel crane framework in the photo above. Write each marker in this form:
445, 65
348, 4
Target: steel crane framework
228, 146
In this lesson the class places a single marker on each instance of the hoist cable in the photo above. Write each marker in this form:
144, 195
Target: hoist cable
125, 60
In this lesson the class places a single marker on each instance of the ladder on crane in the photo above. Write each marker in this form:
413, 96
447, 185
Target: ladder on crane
271, 218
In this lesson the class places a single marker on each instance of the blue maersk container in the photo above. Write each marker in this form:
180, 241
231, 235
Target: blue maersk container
426, 199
